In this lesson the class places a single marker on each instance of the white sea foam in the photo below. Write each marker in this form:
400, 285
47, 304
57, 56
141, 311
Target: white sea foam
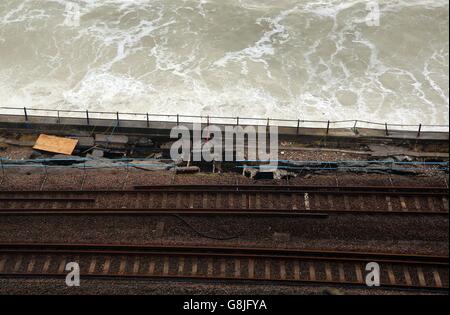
306, 59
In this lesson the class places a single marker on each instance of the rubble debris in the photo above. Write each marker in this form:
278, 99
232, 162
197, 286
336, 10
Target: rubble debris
35, 154
256, 174
319, 149
55, 144
283, 174
187, 169
380, 151
157, 155
403, 158
85, 142
167, 145
97, 153
111, 139
19, 143
143, 141
249, 172
150, 165
217, 167
16, 153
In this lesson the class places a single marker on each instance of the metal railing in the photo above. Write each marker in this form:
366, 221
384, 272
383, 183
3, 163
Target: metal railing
178, 118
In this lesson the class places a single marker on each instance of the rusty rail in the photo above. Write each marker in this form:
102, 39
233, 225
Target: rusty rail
212, 250
340, 267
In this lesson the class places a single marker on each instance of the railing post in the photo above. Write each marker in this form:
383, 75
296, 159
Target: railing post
420, 128
386, 129
328, 126
207, 120
178, 119
118, 121
148, 121
87, 116
354, 126
298, 126
59, 120
25, 112
237, 121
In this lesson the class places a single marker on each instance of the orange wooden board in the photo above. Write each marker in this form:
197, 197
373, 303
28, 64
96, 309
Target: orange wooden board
55, 144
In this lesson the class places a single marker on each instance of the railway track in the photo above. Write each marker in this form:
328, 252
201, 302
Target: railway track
231, 199
219, 263
247, 187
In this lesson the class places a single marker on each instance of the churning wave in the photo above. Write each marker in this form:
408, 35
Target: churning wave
296, 59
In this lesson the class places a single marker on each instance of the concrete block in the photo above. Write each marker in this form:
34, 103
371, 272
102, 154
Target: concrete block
85, 141
113, 139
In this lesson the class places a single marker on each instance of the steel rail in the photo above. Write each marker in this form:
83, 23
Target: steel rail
212, 190
214, 251
314, 213
288, 187
159, 212
25, 199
